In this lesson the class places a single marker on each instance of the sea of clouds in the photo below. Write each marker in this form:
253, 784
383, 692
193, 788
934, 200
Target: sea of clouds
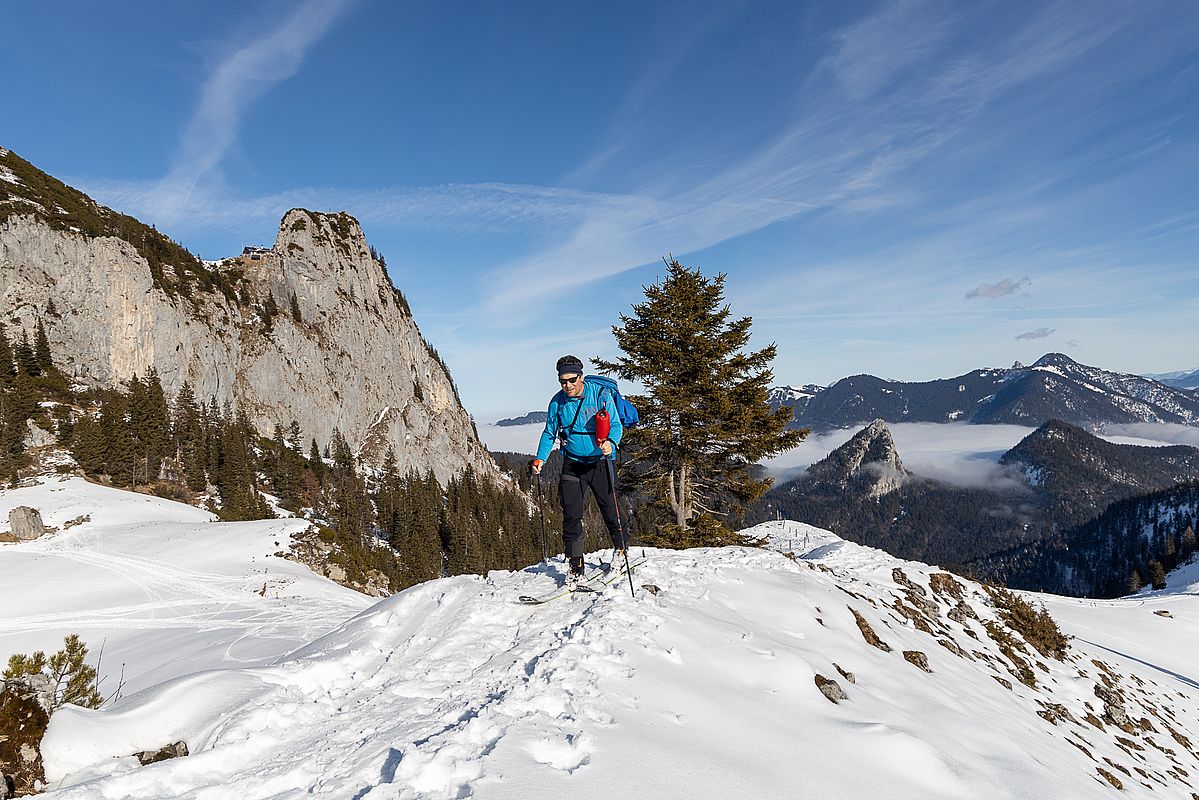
957, 453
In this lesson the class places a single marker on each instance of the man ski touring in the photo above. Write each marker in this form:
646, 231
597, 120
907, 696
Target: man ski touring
572, 422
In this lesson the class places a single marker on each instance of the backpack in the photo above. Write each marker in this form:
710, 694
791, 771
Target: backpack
624, 409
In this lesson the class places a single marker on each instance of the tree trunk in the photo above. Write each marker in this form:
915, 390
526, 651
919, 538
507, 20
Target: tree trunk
679, 493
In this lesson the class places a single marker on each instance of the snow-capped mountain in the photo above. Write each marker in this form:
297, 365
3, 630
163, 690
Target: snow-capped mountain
1055, 387
839, 672
792, 395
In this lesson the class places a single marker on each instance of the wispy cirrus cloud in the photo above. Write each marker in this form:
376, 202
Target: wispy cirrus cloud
871, 53
230, 88
1004, 288
856, 156
1037, 333
451, 207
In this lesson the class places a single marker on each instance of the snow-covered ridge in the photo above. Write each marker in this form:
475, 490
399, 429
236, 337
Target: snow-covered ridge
707, 688
791, 394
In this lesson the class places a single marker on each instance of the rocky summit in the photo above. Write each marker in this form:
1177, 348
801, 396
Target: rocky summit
869, 461
310, 330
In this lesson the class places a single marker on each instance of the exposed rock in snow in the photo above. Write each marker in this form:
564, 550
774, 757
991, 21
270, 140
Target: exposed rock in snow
25, 523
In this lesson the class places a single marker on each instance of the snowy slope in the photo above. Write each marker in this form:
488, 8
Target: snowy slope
707, 689
160, 585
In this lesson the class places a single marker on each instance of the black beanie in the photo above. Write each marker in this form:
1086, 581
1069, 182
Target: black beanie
569, 365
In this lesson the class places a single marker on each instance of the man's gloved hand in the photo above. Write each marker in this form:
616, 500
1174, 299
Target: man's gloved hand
535, 466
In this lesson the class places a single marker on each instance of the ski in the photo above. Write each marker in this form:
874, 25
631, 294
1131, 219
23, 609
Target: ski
592, 584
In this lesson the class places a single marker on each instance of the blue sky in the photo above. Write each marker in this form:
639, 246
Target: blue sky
910, 189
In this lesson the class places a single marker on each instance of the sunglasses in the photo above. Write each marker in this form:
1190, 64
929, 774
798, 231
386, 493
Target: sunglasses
566, 381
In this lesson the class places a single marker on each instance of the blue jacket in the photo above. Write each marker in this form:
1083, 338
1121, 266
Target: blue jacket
581, 443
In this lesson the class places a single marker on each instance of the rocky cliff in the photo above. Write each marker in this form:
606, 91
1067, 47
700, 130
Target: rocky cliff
310, 330
869, 461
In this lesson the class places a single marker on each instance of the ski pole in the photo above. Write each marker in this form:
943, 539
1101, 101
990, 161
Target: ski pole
545, 553
623, 535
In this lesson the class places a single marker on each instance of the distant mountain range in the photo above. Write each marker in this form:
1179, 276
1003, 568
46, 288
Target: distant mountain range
1055, 387
1180, 380
1057, 478
532, 418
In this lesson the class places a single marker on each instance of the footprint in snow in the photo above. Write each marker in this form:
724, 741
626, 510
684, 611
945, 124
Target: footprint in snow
566, 754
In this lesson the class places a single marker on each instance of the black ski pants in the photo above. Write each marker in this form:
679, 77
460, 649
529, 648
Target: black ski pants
577, 476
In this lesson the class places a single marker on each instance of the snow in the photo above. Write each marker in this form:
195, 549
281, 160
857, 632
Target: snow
161, 586
8, 175
451, 689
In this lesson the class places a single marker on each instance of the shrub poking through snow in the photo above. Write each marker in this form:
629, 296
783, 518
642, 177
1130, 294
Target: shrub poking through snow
31, 689
71, 679
945, 584
1011, 647
1035, 625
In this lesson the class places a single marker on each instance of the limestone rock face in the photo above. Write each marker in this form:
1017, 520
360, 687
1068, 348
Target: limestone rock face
347, 355
868, 460
26, 523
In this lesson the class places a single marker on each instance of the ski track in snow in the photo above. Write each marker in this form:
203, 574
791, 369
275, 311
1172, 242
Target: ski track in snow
453, 689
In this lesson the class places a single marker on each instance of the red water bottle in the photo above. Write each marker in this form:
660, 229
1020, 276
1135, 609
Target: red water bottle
603, 426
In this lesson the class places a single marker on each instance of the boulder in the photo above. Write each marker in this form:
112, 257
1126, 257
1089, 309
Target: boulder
26, 523
176, 750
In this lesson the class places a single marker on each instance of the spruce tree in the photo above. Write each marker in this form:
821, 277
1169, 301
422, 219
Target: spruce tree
422, 551
120, 448
1134, 582
8, 370
317, 463
296, 316
156, 431
705, 421
352, 514
188, 434
41, 349
295, 438
390, 494
26, 358
1157, 574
